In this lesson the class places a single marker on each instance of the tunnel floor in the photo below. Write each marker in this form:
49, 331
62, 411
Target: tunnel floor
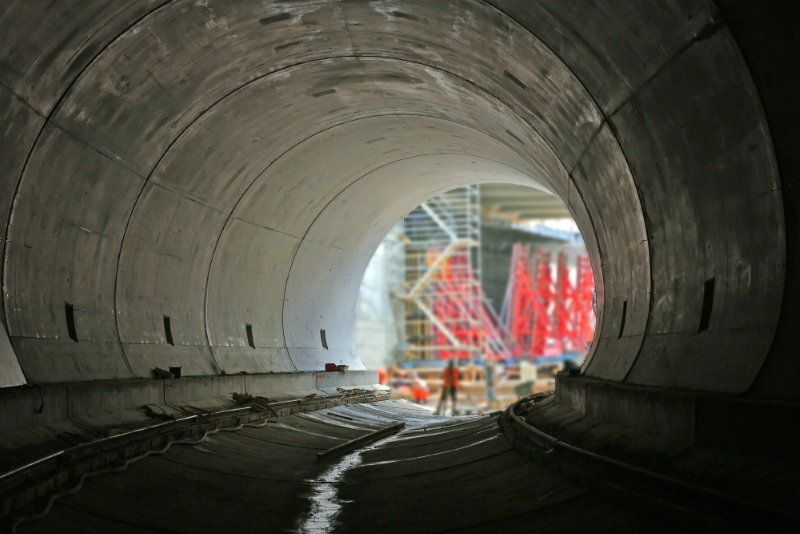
436, 475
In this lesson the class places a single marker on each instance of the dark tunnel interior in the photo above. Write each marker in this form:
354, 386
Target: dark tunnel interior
205, 181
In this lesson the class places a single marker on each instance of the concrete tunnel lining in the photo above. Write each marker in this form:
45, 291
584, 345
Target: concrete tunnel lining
258, 198
667, 168
229, 163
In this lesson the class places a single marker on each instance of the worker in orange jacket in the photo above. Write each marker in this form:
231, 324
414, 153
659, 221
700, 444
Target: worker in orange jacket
419, 389
449, 387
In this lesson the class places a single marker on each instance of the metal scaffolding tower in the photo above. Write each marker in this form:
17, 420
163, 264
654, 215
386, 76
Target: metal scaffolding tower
446, 312
546, 316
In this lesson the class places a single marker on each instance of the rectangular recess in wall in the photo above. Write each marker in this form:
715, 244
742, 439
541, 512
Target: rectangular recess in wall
69, 311
250, 340
624, 315
708, 305
401, 15
323, 93
288, 45
520, 141
274, 18
323, 339
514, 79
168, 330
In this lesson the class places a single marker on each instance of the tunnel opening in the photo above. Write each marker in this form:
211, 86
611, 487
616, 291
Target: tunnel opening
495, 277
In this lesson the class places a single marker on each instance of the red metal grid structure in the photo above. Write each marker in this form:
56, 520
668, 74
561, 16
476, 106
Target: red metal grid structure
460, 304
543, 315
566, 306
546, 316
545, 341
584, 316
522, 302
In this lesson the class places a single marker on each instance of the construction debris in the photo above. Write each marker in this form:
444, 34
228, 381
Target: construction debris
161, 373
344, 448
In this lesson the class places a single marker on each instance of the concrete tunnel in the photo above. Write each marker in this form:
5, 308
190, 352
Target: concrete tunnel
204, 182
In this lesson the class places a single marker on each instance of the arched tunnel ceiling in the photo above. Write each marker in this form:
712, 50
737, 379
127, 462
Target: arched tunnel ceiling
227, 163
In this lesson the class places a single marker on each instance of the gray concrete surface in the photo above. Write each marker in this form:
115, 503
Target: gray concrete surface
227, 163
36, 422
267, 480
206, 162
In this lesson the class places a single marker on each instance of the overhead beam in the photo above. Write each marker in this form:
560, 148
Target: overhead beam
529, 205
544, 215
506, 196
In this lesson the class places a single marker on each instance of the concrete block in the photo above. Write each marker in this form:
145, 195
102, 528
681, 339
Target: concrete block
183, 390
283, 383
571, 392
346, 379
760, 428
24, 407
113, 396
646, 410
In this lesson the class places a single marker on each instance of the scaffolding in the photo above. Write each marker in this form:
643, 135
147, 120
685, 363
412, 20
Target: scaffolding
547, 316
446, 313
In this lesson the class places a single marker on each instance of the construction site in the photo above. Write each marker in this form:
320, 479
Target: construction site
481, 275
399, 266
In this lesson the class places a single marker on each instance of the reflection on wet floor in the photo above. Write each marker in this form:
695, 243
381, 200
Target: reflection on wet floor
325, 503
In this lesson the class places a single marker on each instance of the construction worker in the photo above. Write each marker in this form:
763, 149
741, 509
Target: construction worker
449, 387
381, 376
419, 389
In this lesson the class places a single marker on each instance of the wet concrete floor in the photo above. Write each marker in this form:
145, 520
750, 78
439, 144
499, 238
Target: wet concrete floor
437, 475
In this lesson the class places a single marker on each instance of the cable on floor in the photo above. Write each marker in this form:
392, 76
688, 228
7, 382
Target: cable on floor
358, 392
56, 496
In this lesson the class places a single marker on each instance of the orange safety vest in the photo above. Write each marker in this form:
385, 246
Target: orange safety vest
450, 377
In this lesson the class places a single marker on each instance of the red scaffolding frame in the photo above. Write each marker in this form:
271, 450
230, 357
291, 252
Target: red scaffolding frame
546, 316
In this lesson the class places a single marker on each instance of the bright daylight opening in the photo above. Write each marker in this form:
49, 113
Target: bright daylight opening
479, 296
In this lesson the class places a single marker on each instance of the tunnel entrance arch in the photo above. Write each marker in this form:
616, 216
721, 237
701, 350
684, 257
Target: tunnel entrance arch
462, 277
127, 153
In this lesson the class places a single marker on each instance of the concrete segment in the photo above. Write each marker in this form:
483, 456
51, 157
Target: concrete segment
266, 480
31, 406
228, 163
736, 465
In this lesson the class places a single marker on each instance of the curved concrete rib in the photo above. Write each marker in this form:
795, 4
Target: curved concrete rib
221, 163
198, 121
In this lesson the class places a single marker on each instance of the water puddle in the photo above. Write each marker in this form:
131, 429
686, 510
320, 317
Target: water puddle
325, 504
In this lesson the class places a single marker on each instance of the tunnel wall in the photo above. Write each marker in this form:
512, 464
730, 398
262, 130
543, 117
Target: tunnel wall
765, 32
193, 160
56, 408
